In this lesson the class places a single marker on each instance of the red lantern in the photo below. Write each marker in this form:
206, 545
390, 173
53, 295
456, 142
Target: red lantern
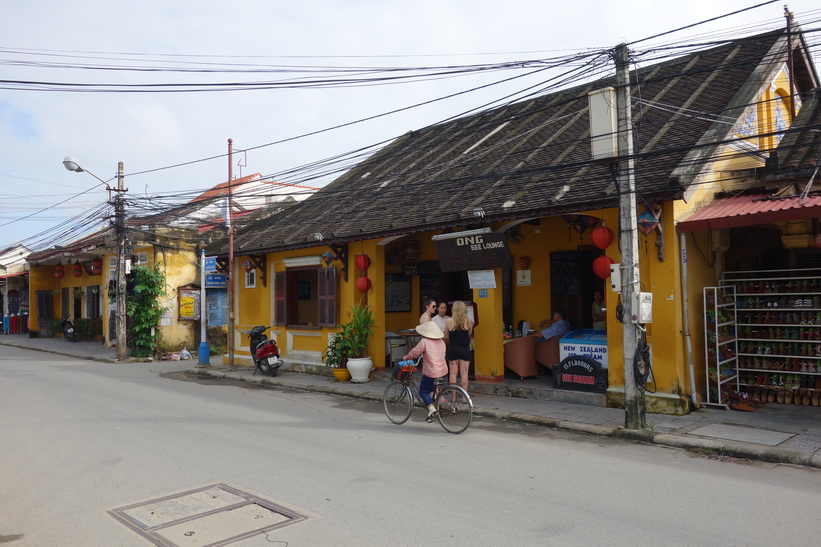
363, 284
362, 262
602, 237
601, 266
78, 270
58, 271
96, 266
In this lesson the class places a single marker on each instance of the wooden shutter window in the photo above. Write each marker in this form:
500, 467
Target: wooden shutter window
280, 298
326, 295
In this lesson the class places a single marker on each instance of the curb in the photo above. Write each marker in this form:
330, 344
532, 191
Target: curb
720, 447
64, 354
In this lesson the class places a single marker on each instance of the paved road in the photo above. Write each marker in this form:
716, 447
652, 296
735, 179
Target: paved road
81, 438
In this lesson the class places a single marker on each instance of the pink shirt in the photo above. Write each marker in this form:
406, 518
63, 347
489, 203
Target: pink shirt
434, 364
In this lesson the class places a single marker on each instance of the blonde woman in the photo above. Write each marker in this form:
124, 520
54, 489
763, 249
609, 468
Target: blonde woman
458, 332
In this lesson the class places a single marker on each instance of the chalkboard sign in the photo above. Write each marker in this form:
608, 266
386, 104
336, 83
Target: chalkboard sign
564, 273
580, 374
430, 280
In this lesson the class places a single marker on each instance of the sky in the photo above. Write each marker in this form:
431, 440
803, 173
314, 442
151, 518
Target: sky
174, 145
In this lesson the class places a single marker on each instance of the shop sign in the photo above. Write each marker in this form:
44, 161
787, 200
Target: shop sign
474, 252
215, 281
189, 304
579, 373
430, 267
210, 264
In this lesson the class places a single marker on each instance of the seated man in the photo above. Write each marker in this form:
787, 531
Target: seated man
559, 327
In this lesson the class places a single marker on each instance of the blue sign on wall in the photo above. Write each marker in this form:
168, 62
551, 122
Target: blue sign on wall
215, 281
210, 264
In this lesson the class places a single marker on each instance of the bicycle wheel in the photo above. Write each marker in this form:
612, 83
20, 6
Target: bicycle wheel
398, 402
455, 409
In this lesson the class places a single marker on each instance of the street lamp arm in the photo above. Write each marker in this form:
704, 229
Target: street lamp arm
71, 164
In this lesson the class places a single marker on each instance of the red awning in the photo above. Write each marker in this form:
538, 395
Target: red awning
12, 275
750, 209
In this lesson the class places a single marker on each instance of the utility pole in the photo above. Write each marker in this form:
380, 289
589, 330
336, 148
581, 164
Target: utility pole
230, 255
119, 224
628, 241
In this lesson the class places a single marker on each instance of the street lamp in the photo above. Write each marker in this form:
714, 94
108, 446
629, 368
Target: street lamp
119, 225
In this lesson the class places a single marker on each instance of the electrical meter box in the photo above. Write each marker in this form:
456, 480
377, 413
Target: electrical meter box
615, 277
644, 308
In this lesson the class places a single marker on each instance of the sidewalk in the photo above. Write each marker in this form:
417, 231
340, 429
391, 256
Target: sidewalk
776, 433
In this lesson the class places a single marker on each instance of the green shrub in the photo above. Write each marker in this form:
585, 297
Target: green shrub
145, 311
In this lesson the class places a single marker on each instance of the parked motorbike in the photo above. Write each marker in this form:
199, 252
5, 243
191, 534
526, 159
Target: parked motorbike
264, 351
68, 329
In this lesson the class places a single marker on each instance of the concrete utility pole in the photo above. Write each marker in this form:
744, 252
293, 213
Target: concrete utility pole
119, 220
628, 240
230, 254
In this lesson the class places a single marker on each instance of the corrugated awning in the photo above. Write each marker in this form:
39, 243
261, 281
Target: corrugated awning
12, 275
750, 209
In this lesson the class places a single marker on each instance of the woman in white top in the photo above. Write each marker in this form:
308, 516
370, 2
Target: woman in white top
441, 316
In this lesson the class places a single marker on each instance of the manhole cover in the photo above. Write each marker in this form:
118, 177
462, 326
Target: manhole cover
212, 515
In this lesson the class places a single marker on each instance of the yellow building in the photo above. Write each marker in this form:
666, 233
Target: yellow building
522, 175
79, 281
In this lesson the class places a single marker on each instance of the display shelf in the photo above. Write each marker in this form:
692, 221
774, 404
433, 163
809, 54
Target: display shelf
778, 329
721, 349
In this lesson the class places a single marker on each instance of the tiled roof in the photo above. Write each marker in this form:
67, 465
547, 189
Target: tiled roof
747, 209
221, 189
532, 158
799, 152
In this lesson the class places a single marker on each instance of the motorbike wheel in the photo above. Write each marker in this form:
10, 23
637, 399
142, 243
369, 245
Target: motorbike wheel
274, 371
73, 336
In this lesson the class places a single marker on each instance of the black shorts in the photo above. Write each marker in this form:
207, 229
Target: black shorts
458, 352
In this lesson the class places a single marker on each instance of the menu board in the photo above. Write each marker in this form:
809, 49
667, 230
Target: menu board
564, 273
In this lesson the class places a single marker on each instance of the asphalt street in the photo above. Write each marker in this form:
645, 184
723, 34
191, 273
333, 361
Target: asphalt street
776, 433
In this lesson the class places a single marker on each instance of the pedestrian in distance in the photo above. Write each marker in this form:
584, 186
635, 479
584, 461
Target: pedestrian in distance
458, 333
441, 316
599, 316
428, 310
432, 349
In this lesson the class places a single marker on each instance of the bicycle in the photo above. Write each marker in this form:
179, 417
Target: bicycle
454, 407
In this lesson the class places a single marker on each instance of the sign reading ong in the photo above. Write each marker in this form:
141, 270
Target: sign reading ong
476, 252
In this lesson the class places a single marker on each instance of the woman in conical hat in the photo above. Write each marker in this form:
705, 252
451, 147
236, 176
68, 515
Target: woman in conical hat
432, 349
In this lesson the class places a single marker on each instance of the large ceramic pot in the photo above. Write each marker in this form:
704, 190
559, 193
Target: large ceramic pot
360, 368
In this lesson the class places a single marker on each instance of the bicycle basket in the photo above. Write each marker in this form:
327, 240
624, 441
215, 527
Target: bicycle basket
401, 371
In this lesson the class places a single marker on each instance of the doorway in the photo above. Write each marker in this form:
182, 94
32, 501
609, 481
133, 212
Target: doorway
572, 284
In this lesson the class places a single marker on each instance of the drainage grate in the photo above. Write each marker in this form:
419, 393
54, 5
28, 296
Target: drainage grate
209, 516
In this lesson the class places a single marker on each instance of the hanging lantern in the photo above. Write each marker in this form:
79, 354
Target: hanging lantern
362, 262
96, 266
247, 265
363, 284
602, 236
58, 271
78, 269
601, 266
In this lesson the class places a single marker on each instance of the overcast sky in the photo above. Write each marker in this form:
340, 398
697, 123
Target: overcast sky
148, 131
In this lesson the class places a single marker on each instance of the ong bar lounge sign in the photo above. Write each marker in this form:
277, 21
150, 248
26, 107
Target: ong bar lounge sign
473, 252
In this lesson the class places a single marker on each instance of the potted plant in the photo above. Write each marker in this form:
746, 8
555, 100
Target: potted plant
336, 357
356, 332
